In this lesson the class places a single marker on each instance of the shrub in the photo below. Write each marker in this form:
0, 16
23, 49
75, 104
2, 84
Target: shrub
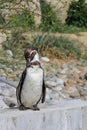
24, 20
4, 1
15, 44
2, 20
56, 46
50, 21
77, 14
46, 44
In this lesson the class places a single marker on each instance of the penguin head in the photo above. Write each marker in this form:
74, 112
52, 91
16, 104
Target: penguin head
31, 54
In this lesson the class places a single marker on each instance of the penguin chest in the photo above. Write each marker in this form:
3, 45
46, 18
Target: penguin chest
32, 87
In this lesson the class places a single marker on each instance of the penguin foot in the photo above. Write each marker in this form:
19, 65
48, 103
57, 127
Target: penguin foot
35, 108
21, 107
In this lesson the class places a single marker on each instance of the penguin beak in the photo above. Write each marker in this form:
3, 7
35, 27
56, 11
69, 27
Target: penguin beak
32, 55
29, 55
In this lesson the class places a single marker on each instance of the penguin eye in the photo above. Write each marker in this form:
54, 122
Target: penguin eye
32, 55
28, 56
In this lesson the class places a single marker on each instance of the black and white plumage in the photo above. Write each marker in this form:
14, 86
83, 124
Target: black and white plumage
31, 88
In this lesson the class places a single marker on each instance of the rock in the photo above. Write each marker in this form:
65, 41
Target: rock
75, 70
84, 97
32, 6
55, 95
35, 7
57, 74
82, 76
66, 84
48, 95
7, 91
9, 53
3, 37
12, 76
9, 34
2, 104
45, 59
63, 71
51, 76
60, 81
60, 8
82, 90
8, 70
58, 88
2, 84
4, 74
50, 84
10, 100
73, 92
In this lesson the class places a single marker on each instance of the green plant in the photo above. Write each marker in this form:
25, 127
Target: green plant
15, 44
47, 43
24, 20
4, 1
50, 21
77, 14
2, 20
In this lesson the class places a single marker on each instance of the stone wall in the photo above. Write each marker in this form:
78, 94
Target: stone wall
9, 9
64, 115
35, 8
60, 7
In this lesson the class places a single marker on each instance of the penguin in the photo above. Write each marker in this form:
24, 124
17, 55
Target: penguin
31, 88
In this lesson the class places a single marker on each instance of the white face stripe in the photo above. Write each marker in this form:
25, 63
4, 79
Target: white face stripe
33, 51
36, 58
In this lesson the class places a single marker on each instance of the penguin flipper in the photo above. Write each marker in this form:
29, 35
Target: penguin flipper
19, 87
43, 92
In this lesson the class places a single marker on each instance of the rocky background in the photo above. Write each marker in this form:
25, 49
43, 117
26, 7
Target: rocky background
64, 78
59, 6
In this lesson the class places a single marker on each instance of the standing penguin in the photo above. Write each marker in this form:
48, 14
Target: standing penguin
31, 88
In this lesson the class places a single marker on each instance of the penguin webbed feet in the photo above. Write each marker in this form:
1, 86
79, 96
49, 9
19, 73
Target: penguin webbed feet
35, 108
21, 107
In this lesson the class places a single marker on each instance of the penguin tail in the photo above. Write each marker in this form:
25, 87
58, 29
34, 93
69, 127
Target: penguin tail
10, 102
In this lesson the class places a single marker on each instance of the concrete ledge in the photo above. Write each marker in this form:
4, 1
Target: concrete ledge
62, 115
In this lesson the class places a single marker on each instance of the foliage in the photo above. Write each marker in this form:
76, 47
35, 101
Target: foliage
49, 18
77, 14
15, 44
2, 20
47, 43
24, 20
21, 18
50, 22
4, 1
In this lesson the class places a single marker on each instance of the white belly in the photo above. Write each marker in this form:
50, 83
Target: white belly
32, 87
